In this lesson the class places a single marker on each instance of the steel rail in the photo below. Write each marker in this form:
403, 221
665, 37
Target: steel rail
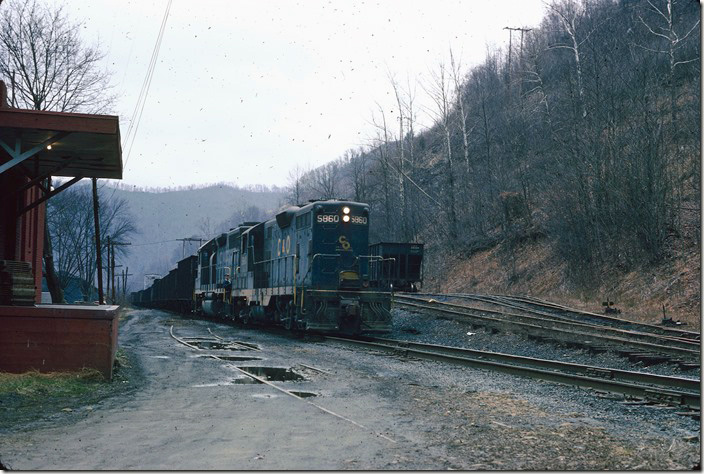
520, 304
610, 326
532, 325
604, 320
509, 300
624, 375
681, 333
567, 323
671, 390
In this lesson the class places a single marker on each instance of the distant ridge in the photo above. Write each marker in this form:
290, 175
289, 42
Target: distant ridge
163, 215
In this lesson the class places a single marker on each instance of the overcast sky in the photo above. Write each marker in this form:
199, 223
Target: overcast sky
244, 91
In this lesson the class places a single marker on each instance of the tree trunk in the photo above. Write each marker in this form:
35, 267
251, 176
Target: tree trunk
57, 294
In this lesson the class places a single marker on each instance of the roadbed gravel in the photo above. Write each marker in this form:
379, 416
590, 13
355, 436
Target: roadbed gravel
370, 411
419, 327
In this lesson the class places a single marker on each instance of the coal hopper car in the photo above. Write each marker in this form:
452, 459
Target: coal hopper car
397, 266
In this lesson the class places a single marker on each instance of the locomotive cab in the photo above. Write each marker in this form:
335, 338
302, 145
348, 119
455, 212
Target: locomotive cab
339, 272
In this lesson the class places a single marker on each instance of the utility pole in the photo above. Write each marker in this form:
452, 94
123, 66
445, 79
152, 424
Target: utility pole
184, 240
125, 274
115, 287
99, 259
510, 53
113, 244
122, 286
108, 266
113, 273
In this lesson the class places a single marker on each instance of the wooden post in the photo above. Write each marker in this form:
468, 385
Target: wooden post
113, 273
99, 259
124, 283
107, 269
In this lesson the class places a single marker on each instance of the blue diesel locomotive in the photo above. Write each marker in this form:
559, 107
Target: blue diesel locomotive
306, 269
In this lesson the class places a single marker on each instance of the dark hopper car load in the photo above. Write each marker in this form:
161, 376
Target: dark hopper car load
397, 266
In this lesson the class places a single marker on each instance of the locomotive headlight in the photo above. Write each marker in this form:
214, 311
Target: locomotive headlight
346, 210
345, 218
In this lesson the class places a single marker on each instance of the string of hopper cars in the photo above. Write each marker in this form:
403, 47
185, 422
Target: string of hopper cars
310, 268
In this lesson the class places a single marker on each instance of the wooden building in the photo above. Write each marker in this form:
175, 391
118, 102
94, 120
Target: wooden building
34, 146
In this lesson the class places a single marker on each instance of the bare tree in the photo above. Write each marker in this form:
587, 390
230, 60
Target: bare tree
251, 213
455, 70
358, 168
441, 94
412, 193
49, 67
325, 180
206, 227
400, 103
381, 144
296, 184
663, 26
70, 216
569, 13
46, 62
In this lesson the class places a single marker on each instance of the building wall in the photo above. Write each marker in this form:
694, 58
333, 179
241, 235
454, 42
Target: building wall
21, 237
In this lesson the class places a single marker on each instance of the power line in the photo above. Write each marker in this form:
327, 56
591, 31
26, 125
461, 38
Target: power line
190, 239
144, 92
154, 243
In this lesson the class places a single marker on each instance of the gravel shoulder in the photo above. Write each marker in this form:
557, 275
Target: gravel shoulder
371, 411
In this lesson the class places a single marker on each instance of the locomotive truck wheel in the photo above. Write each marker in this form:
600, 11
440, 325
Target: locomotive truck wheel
244, 317
290, 324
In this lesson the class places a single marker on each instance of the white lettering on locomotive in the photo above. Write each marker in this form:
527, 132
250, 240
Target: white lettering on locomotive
334, 219
328, 218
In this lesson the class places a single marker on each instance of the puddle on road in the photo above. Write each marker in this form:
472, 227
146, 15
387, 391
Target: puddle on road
273, 395
214, 384
239, 358
227, 357
304, 394
248, 344
245, 381
238, 381
223, 346
274, 374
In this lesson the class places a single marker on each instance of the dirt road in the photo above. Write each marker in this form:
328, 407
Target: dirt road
369, 411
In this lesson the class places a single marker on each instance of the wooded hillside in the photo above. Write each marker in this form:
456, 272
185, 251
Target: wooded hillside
584, 133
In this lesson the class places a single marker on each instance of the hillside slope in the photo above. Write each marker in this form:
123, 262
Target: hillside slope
569, 169
536, 269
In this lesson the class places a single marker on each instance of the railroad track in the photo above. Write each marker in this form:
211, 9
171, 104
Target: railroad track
542, 307
648, 347
647, 388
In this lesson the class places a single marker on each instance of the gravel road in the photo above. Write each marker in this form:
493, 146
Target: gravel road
370, 411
